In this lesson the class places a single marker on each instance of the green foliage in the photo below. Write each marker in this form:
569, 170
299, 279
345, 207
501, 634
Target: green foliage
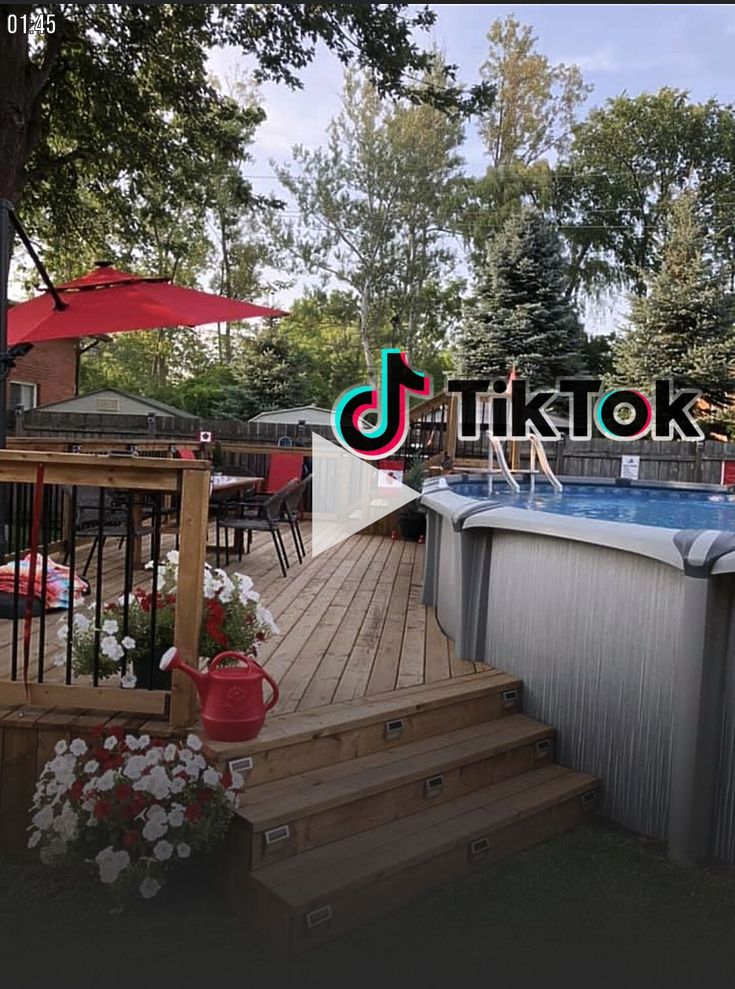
520, 314
324, 326
373, 213
535, 101
271, 373
684, 326
597, 354
629, 160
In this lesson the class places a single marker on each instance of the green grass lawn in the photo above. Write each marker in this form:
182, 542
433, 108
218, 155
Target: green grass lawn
593, 907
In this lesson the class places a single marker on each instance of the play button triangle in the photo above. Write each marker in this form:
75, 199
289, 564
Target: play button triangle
348, 494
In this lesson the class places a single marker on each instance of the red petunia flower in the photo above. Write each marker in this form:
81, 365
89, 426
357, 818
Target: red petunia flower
102, 809
124, 792
193, 813
75, 790
130, 838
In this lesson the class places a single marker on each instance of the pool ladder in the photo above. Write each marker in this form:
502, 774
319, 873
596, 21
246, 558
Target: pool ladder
537, 453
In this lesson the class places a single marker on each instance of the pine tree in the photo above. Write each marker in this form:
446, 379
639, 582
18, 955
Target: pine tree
683, 327
271, 374
521, 314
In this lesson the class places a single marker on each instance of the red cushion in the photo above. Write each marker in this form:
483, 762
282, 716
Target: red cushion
284, 467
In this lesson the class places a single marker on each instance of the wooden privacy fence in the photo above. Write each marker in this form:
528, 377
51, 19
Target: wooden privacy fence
433, 437
152, 496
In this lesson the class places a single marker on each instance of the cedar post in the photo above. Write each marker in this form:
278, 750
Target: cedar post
193, 524
452, 426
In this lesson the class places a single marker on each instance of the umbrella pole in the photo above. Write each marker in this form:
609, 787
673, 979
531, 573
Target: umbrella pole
5, 360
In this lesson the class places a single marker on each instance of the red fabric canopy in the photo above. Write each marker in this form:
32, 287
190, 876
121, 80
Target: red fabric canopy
110, 301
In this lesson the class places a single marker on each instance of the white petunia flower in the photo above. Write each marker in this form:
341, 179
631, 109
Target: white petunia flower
78, 747
34, 839
210, 776
238, 781
128, 643
60, 747
175, 818
144, 741
62, 633
91, 767
111, 864
177, 784
149, 887
106, 781
81, 622
170, 752
266, 618
163, 851
110, 743
110, 647
110, 627
173, 557
128, 681
43, 819
59, 660
134, 767
154, 829
194, 743
183, 850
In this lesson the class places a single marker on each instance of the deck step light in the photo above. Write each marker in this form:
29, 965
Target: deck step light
318, 918
433, 786
478, 849
543, 748
510, 698
276, 835
242, 766
394, 729
589, 798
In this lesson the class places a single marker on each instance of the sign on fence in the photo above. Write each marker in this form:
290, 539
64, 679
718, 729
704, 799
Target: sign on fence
630, 465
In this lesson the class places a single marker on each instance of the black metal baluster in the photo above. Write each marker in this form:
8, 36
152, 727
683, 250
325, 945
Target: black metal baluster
128, 573
72, 558
98, 587
155, 555
45, 539
14, 523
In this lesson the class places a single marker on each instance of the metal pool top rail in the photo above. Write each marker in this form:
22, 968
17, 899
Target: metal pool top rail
696, 551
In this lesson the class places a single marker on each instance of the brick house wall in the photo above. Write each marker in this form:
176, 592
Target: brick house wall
51, 366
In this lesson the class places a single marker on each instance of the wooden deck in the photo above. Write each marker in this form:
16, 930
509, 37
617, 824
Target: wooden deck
351, 622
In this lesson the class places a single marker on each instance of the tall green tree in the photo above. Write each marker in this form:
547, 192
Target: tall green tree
684, 327
630, 159
536, 101
527, 127
325, 326
520, 315
271, 373
372, 208
108, 90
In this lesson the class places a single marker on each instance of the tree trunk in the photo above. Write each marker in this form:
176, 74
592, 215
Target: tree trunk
365, 333
16, 97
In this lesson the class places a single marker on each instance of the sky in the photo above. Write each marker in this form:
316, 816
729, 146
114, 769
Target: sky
619, 47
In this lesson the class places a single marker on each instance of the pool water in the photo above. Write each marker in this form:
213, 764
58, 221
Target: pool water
669, 509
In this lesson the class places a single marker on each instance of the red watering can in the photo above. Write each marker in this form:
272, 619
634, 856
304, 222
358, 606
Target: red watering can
231, 697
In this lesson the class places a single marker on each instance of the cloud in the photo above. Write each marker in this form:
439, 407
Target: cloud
601, 60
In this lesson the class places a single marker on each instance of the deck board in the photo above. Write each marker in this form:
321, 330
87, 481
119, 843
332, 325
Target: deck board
351, 621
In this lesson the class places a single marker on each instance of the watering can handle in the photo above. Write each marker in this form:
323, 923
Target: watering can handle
247, 661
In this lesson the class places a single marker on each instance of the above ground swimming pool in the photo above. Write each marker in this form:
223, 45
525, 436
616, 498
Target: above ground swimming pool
614, 603
668, 508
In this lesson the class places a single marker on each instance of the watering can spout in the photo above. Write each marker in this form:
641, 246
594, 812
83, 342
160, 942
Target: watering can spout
170, 661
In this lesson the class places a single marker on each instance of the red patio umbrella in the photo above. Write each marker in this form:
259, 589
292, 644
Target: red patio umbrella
110, 301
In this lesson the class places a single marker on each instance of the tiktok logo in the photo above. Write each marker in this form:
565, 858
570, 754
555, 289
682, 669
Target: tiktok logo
390, 402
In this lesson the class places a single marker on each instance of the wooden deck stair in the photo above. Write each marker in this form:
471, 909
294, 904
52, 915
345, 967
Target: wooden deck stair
354, 809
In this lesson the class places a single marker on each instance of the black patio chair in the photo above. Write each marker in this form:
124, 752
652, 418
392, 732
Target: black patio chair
292, 509
266, 518
113, 524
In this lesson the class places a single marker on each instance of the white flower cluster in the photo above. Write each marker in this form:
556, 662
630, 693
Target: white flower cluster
75, 792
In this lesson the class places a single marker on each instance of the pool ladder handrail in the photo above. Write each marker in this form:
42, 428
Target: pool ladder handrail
537, 450
496, 447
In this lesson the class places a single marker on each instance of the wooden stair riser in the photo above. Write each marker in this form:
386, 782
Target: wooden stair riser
409, 797
290, 932
283, 761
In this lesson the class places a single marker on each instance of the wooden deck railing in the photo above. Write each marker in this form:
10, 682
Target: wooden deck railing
185, 480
